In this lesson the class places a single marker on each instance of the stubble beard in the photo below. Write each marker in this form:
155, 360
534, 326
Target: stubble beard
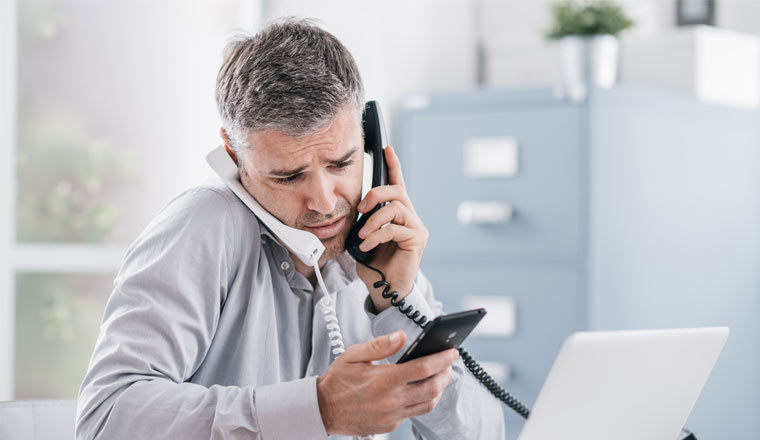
336, 244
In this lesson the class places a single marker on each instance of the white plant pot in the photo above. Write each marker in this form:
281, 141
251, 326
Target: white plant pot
588, 61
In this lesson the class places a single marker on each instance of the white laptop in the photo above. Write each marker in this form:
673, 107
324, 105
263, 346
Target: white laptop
639, 384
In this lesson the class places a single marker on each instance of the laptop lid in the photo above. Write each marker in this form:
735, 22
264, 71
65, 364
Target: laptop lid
639, 384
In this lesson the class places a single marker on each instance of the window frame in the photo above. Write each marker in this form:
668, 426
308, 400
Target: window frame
8, 69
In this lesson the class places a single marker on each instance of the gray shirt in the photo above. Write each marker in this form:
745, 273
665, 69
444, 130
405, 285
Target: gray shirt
211, 333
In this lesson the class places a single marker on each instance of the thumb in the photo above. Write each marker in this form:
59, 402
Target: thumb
376, 349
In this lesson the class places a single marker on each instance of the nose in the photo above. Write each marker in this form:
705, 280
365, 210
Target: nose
321, 196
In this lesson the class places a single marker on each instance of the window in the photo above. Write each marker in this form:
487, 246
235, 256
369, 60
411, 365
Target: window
112, 113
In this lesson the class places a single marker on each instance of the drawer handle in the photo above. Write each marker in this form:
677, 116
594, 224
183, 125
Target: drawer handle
483, 213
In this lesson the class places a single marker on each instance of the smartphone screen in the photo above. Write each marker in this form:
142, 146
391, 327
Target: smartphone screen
444, 332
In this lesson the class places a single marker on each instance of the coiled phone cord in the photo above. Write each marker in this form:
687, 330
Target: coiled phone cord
333, 329
331, 317
497, 390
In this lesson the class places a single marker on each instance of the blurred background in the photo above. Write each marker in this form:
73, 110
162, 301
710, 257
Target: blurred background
592, 183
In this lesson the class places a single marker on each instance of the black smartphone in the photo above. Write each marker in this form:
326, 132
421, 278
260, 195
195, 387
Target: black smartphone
445, 331
375, 141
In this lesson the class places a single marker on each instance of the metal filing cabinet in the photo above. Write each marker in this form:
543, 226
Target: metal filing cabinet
533, 260
636, 208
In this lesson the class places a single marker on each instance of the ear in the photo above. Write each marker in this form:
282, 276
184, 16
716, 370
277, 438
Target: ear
228, 146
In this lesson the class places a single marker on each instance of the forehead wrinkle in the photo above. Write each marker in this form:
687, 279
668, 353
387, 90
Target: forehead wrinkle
291, 153
325, 153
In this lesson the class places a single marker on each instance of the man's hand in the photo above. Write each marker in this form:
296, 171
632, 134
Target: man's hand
357, 397
400, 243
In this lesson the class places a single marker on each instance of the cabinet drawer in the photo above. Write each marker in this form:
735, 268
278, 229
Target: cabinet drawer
549, 306
544, 193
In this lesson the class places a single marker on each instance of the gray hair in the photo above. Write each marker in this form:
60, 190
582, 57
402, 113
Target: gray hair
292, 76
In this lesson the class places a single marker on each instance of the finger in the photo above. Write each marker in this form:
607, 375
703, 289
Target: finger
382, 194
428, 389
394, 212
376, 349
427, 366
397, 233
419, 409
394, 167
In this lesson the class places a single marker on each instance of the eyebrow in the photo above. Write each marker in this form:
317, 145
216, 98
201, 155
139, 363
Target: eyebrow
292, 172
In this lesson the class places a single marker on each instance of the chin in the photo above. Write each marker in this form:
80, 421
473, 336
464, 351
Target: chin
335, 245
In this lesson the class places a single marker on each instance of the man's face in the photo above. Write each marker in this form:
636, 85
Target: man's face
311, 183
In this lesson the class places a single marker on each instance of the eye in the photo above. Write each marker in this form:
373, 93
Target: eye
344, 164
288, 180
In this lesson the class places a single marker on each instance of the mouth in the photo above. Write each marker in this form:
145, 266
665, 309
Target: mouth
327, 230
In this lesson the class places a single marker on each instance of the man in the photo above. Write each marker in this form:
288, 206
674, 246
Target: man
214, 330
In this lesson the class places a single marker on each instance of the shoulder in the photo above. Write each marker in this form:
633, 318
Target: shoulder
211, 204
205, 219
212, 194
206, 222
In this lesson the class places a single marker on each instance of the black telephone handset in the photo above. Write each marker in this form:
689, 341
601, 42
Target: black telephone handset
375, 141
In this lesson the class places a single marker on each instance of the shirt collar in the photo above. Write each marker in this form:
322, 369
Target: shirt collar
338, 272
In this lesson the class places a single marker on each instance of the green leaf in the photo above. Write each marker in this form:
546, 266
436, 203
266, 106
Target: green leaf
569, 17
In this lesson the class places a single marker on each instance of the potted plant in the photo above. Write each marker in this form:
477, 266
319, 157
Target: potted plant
588, 35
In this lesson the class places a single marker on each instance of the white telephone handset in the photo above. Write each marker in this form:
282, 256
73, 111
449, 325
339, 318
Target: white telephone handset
305, 245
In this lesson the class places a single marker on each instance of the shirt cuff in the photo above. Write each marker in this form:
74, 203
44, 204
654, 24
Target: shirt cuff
391, 319
290, 410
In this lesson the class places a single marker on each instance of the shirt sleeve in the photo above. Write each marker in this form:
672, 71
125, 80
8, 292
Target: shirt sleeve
280, 404
157, 328
466, 409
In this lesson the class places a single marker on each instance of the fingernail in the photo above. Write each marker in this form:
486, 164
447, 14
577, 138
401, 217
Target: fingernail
456, 354
394, 337
361, 206
362, 233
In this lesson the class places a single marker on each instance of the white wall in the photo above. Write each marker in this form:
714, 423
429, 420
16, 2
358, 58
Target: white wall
739, 15
400, 46
429, 45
